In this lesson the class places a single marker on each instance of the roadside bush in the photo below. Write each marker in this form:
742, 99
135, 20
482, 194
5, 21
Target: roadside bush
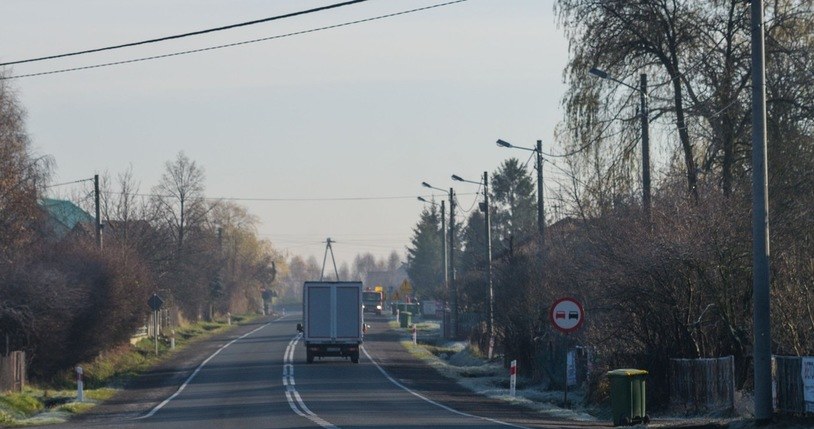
70, 302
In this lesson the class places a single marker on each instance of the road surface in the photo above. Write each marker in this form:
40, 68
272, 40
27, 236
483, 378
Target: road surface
257, 378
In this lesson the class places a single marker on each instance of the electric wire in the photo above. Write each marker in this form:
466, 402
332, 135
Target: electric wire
68, 183
229, 45
474, 201
312, 199
584, 147
258, 199
526, 164
184, 35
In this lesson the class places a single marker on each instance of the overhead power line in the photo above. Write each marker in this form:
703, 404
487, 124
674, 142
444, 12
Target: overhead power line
316, 199
262, 199
230, 45
378, 198
410, 197
69, 183
183, 35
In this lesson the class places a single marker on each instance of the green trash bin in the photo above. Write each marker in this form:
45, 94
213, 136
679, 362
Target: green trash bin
627, 391
405, 319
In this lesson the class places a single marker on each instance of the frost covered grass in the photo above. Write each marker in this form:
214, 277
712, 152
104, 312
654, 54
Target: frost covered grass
456, 360
34, 407
56, 402
470, 369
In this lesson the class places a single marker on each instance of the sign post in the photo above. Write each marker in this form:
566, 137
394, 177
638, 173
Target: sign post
567, 316
155, 302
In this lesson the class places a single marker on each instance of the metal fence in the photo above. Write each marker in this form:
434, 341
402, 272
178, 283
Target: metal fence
788, 384
469, 325
12, 371
168, 318
700, 386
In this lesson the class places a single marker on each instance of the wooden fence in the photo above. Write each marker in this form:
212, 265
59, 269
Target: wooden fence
701, 386
12, 371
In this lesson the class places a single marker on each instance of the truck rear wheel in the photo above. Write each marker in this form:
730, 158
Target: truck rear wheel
309, 356
354, 357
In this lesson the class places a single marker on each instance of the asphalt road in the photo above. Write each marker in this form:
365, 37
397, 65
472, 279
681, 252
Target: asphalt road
256, 377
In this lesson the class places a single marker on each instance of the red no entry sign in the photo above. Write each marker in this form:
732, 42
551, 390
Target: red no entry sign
567, 315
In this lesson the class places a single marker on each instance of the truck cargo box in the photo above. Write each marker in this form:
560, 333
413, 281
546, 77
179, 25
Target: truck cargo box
333, 318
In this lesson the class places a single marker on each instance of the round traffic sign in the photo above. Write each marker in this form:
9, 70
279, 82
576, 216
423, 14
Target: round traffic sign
567, 315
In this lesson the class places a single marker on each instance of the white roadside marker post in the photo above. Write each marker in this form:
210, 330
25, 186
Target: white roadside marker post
512, 378
80, 391
415, 335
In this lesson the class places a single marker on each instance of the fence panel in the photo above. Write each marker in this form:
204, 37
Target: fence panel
788, 384
12, 372
700, 386
168, 319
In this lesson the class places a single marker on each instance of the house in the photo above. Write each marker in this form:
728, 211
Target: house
64, 217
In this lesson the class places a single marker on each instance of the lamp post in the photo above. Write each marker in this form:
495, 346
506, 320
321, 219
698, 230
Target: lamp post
761, 277
449, 270
538, 150
645, 117
443, 241
491, 318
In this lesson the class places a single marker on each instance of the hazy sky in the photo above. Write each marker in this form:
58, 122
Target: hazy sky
362, 113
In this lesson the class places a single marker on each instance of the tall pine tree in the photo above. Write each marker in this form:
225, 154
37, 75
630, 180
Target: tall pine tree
425, 254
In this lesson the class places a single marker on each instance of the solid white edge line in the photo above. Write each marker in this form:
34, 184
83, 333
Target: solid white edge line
194, 373
437, 404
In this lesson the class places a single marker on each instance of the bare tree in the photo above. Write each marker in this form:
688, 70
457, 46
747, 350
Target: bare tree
22, 175
364, 263
182, 209
393, 261
180, 196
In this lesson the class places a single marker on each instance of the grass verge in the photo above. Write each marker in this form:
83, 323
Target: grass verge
55, 402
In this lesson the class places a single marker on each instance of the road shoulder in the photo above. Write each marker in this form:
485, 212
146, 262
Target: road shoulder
147, 390
384, 345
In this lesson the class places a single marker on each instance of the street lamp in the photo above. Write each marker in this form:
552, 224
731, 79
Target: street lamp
539, 166
642, 90
449, 274
761, 279
491, 320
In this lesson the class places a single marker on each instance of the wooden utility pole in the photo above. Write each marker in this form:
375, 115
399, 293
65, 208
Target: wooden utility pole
98, 212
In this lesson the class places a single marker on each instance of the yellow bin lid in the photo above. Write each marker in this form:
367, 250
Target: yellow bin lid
627, 372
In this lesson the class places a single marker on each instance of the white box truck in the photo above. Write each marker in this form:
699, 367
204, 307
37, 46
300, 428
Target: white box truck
333, 319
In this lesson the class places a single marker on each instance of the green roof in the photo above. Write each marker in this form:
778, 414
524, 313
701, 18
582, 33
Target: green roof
66, 213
